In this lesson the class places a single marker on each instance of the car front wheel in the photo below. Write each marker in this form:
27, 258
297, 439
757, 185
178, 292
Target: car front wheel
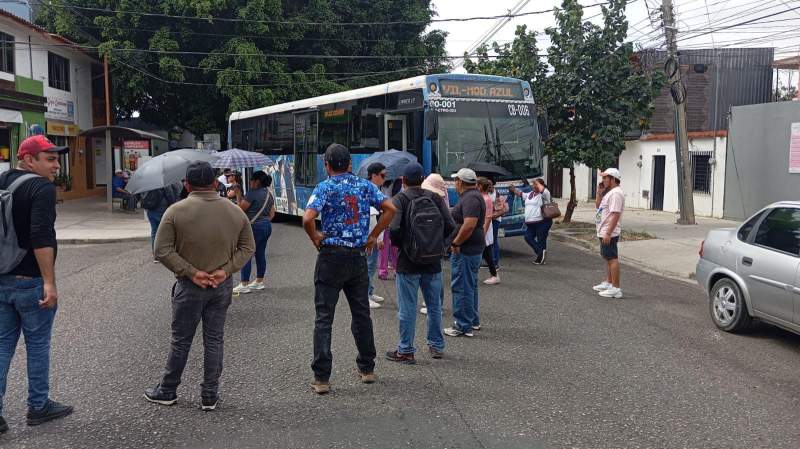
728, 309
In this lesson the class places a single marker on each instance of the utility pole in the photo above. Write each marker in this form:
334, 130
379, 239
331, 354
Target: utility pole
685, 195
109, 147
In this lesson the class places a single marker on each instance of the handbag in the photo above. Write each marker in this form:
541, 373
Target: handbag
550, 210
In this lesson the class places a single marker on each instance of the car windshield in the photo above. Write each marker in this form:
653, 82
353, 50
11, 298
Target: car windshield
504, 134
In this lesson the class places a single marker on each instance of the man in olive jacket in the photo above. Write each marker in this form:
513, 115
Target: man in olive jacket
203, 239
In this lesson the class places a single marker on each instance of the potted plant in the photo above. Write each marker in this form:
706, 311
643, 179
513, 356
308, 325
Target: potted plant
63, 183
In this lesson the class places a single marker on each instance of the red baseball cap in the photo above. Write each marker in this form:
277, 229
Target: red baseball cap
37, 144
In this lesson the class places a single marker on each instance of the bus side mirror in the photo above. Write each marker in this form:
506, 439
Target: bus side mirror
432, 125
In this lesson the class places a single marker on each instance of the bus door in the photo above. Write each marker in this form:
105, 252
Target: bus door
395, 129
305, 148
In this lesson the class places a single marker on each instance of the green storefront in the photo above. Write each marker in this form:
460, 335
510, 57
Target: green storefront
22, 104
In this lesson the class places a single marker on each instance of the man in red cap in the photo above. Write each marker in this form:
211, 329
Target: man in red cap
28, 294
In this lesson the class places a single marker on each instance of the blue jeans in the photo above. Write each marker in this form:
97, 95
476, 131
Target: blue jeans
154, 217
496, 247
20, 312
536, 235
261, 231
407, 287
464, 283
372, 267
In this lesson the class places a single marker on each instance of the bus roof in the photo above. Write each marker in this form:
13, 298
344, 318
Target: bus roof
417, 82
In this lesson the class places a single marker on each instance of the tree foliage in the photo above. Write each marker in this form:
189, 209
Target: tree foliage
594, 91
237, 65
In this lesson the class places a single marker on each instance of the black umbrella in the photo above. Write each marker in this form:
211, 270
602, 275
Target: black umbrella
486, 168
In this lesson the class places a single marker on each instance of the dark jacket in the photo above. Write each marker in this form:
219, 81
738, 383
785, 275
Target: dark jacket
398, 229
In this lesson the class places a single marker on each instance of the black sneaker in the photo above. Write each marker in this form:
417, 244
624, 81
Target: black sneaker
51, 410
209, 404
406, 359
3, 425
435, 353
158, 396
544, 256
539, 259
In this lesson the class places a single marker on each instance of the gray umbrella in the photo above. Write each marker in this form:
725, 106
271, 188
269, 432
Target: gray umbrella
394, 161
166, 169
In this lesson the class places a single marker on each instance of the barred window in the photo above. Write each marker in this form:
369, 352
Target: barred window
701, 172
58, 71
6, 53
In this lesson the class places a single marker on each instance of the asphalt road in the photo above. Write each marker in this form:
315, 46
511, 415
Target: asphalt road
554, 367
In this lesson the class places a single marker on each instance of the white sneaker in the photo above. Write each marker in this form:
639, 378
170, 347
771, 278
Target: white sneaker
423, 310
601, 287
374, 305
376, 298
613, 292
241, 288
257, 285
494, 280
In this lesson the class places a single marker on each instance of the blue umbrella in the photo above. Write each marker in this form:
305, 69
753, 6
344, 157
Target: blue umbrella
394, 161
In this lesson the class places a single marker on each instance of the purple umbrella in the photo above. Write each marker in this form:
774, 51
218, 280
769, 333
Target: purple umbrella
236, 158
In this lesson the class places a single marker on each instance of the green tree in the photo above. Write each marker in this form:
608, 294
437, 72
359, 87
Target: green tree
786, 93
597, 91
236, 65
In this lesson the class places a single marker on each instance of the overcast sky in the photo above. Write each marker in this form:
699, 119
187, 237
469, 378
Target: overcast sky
781, 31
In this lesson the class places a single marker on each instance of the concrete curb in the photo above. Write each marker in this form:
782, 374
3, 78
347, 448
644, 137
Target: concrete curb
99, 241
595, 248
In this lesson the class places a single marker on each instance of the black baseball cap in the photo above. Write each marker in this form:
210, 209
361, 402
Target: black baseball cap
337, 156
200, 174
375, 168
414, 172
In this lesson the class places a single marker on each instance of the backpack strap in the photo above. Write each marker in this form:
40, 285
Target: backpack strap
17, 182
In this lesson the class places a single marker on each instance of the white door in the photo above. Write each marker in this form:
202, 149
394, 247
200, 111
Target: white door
395, 131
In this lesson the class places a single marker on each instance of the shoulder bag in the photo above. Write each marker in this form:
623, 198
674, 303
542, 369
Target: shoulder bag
550, 210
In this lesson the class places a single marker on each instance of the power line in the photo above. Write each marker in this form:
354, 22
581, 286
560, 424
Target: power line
741, 23
303, 23
334, 80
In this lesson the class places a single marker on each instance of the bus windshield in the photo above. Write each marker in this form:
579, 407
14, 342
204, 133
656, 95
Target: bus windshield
504, 134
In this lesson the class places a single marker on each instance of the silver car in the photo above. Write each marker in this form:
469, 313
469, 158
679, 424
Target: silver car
753, 271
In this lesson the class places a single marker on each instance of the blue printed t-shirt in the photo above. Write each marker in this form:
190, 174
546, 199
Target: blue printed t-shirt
343, 201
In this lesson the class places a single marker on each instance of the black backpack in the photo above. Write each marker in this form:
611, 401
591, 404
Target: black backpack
423, 242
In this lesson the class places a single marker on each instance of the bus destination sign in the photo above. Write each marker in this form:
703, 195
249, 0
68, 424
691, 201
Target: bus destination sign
481, 89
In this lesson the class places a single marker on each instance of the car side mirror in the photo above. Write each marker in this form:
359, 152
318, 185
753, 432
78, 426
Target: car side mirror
432, 125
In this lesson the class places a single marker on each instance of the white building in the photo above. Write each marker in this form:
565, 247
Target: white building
649, 175
47, 80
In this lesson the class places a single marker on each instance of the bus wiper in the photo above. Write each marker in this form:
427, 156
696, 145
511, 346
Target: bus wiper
486, 144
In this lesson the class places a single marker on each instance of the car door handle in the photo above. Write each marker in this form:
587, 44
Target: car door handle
747, 261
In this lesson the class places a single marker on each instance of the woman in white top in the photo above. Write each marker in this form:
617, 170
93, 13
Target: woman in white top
537, 227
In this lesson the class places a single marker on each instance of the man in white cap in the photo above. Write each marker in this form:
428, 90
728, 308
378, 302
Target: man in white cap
467, 245
608, 219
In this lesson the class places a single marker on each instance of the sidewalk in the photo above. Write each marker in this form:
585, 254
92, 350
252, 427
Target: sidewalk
90, 220
674, 250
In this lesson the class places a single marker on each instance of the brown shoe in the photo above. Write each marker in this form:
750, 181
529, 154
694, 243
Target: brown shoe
320, 386
367, 378
435, 353
406, 359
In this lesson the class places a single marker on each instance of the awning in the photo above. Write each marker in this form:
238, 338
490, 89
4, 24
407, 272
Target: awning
10, 116
791, 63
120, 132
